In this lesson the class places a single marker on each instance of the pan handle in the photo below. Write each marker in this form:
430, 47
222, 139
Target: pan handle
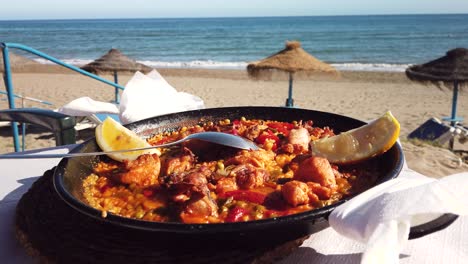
432, 226
428, 228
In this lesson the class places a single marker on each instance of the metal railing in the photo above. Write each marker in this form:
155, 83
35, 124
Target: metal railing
9, 83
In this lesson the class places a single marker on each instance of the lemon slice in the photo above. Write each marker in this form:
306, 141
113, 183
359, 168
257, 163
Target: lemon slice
360, 143
111, 135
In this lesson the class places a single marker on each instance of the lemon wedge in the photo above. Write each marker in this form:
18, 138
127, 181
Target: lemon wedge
111, 136
360, 143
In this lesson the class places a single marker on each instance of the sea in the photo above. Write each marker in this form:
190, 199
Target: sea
367, 43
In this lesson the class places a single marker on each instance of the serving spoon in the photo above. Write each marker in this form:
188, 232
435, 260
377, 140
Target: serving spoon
220, 138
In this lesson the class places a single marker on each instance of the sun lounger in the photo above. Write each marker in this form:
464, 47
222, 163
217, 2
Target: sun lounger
62, 126
440, 133
433, 130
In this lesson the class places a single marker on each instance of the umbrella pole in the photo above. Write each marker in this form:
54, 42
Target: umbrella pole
453, 118
116, 80
290, 101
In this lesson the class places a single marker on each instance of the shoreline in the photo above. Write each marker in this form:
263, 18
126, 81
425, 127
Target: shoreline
348, 75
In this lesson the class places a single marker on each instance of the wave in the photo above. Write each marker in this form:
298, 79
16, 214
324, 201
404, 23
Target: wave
381, 67
209, 64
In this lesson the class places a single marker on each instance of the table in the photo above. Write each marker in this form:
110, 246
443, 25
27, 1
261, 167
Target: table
447, 246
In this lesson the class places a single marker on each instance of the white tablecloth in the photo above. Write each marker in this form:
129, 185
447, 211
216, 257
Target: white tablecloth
447, 246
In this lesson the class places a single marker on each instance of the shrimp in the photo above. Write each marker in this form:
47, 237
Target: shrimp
299, 136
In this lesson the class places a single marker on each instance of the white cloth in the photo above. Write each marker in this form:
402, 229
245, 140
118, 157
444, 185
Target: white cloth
144, 96
85, 106
150, 95
382, 216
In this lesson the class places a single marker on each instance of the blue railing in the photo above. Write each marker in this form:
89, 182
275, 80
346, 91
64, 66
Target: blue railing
9, 83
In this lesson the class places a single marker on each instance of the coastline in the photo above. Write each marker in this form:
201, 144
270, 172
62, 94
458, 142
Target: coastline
359, 94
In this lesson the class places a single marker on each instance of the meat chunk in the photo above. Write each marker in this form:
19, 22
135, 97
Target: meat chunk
295, 193
197, 209
254, 131
300, 137
144, 171
257, 158
316, 169
190, 190
322, 192
187, 183
180, 163
226, 184
248, 176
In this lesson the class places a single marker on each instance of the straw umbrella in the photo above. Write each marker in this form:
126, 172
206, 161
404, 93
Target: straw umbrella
291, 60
112, 62
451, 69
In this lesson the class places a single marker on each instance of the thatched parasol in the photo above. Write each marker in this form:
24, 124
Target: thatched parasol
115, 61
451, 69
291, 60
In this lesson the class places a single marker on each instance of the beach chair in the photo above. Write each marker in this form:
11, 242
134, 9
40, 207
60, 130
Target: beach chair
436, 131
62, 126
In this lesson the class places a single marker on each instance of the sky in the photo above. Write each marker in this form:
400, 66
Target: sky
96, 9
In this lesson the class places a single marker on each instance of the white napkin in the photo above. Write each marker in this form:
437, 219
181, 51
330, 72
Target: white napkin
382, 216
150, 95
85, 106
144, 96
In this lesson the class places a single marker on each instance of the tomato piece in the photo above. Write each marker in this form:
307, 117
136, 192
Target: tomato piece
246, 196
148, 192
281, 127
236, 214
268, 135
104, 188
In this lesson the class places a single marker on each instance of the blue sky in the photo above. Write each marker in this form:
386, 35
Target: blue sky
63, 9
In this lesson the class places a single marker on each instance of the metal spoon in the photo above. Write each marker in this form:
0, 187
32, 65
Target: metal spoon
213, 137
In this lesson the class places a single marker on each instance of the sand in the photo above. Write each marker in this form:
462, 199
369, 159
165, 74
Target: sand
362, 95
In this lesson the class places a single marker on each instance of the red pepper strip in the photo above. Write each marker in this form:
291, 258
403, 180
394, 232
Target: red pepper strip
247, 196
148, 192
236, 214
104, 188
268, 135
281, 127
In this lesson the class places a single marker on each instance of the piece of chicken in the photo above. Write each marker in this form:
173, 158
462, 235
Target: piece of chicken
257, 158
180, 163
316, 169
248, 176
295, 193
190, 190
144, 171
226, 184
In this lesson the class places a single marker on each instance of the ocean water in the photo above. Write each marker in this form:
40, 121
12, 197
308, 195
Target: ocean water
372, 43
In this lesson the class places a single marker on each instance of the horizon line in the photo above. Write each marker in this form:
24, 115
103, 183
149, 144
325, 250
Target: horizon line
218, 17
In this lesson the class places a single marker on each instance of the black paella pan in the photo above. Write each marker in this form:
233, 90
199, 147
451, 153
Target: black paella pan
70, 173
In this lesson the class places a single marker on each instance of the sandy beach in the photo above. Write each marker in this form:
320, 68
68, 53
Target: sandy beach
362, 95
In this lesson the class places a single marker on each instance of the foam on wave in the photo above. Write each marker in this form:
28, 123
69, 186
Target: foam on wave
209, 64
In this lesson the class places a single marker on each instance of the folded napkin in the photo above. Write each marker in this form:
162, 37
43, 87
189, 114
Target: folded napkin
85, 106
144, 96
382, 216
150, 95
